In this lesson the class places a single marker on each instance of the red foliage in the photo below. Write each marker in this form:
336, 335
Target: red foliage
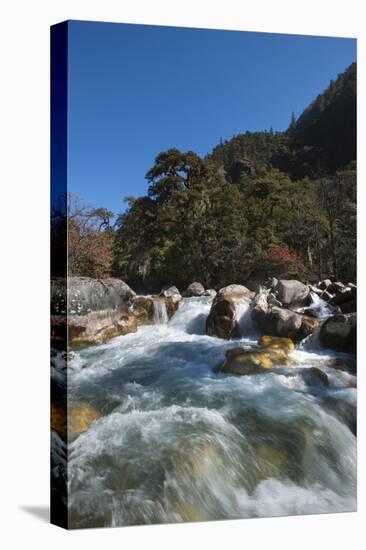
285, 262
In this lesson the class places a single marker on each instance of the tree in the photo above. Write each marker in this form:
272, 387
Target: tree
175, 171
89, 238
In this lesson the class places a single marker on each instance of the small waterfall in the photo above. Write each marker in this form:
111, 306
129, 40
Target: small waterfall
244, 319
191, 316
321, 307
160, 316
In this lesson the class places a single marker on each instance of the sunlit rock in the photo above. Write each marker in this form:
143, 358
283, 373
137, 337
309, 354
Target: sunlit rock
292, 293
73, 420
241, 361
276, 342
229, 311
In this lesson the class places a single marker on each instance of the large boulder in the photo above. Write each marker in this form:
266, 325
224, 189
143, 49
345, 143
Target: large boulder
339, 332
228, 310
83, 295
285, 322
278, 322
346, 299
93, 328
293, 294
194, 289
243, 361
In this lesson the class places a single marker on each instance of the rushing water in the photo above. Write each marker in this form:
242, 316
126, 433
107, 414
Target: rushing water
179, 441
160, 312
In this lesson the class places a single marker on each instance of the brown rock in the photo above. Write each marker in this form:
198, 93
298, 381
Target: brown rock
70, 421
227, 307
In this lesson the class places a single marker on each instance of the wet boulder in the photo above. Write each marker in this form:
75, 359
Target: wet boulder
83, 295
280, 322
143, 309
339, 332
97, 327
314, 376
309, 324
73, 420
243, 361
345, 299
194, 290
276, 342
227, 312
293, 294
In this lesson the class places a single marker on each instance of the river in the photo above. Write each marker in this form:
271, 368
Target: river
177, 440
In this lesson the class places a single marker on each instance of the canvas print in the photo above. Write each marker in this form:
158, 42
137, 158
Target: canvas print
203, 289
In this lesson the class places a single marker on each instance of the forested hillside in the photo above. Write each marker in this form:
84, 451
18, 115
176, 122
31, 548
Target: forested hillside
261, 204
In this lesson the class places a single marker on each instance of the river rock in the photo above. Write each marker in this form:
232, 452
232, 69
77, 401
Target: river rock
280, 322
83, 295
169, 291
346, 300
259, 305
276, 342
98, 327
339, 332
143, 309
309, 324
242, 361
293, 294
71, 421
226, 312
313, 376
194, 289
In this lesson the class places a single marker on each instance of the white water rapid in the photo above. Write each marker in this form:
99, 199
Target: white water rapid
177, 440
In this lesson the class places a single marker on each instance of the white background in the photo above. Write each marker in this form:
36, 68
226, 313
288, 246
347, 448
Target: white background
24, 294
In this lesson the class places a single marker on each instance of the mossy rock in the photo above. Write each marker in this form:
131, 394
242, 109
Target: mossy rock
240, 361
276, 342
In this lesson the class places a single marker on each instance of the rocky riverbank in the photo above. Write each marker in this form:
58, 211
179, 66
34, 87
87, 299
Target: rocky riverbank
94, 311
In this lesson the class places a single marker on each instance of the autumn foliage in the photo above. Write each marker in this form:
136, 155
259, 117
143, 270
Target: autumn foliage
285, 262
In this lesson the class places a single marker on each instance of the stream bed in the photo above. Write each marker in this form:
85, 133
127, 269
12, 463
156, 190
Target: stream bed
177, 440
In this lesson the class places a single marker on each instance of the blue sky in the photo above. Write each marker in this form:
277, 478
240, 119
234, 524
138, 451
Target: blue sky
137, 90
